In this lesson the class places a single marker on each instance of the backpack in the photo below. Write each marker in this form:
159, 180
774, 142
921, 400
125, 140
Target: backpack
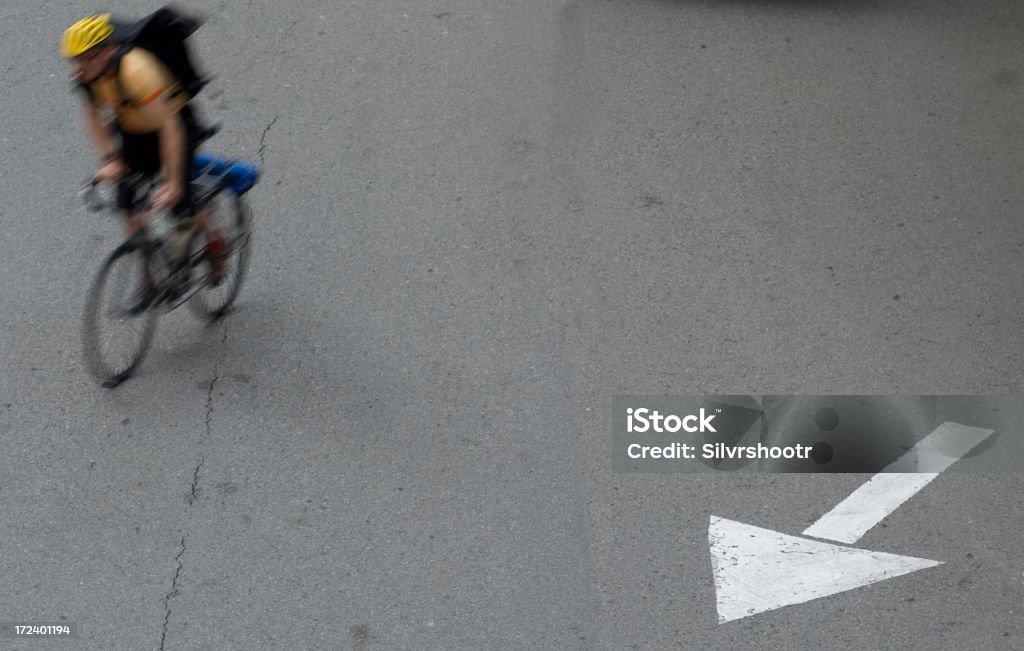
162, 33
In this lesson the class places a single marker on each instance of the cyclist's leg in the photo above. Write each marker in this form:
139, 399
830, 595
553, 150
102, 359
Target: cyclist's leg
140, 154
133, 219
134, 224
199, 218
216, 243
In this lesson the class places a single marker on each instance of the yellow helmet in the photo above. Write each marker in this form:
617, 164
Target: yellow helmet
85, 35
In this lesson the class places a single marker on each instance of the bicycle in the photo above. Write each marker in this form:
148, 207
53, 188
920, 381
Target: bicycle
145, 270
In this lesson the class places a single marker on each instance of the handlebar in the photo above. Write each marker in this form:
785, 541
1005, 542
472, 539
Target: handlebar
90, 196
94, 203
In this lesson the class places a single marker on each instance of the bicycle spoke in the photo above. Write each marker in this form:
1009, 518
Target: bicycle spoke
117, 326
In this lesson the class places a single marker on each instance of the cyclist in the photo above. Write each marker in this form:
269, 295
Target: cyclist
141, 124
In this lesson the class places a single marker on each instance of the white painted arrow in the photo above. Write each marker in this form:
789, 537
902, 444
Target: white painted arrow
757, 570
901, 480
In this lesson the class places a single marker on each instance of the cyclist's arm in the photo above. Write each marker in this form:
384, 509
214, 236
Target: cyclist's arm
102, 138
172, 137
147, 83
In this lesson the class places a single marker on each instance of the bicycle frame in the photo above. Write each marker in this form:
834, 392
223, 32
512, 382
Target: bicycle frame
211, 176
172, 275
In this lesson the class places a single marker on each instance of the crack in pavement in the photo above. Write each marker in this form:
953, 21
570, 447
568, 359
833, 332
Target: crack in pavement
172, 593
194, 492
263, 138
213, 383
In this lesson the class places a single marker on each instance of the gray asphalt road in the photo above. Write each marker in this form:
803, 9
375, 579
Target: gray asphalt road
479, 221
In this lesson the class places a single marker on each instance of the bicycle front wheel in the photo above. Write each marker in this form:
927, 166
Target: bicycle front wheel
233, 217
118, 323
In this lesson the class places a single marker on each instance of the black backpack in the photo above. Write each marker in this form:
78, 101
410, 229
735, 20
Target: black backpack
164, 34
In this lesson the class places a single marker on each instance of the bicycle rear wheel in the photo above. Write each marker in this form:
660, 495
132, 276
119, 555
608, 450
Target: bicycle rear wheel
118, 326
233, 217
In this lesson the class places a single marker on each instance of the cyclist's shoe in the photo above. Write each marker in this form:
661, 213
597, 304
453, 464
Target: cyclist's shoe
217, 252
144, 297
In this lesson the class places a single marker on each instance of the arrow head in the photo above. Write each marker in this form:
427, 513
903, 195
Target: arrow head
757, 570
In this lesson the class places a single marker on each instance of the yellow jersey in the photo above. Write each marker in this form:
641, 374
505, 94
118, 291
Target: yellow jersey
143, 78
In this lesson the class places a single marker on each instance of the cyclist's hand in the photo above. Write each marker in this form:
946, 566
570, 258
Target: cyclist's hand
112, 171
167, 195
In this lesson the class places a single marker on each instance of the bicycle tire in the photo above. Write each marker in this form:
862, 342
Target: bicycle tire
213, 302
107, 371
